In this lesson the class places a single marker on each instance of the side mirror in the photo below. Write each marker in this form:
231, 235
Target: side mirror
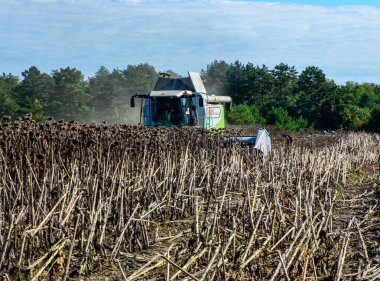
133, 101
201, 102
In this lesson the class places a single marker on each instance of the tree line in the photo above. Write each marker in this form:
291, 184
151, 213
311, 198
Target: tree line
294, 101
280, 96
65, 94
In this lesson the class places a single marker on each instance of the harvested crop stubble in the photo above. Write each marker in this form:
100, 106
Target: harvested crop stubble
133, 202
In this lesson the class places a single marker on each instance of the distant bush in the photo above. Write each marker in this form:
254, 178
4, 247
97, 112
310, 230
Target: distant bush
355, 118
280, 117
374, 121
244, 114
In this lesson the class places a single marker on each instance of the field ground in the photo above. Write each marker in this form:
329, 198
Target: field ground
96, 202
359, 200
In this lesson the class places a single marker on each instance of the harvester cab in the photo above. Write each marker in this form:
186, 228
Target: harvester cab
182, 102
185, 102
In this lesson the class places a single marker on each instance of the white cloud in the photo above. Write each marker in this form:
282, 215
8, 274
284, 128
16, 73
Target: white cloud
182, 35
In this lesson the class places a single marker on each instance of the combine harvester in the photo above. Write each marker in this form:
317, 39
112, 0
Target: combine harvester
185, 102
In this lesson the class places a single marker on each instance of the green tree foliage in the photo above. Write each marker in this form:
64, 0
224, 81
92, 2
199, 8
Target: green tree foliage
285, 80
215, 77
297, 101
279, 96
374, 121
259, 85
8, 104
138, 79
330, 113
70, 99
237, 82
279, 116
353, 104
245, 115
33, 92
354, 117
249, 84
312, 90
111, 92
104, 88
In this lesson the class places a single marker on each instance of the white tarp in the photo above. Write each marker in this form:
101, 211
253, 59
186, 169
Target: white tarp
263, 142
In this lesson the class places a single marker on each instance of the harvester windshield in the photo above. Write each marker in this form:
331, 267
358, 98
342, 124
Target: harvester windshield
169, 111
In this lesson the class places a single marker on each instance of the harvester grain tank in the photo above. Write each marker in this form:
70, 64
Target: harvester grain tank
185, 102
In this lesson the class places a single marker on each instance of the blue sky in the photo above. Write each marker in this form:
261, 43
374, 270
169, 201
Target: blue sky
340, 37
329, 3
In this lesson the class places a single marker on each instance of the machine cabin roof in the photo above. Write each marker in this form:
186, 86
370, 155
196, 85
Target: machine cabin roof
191, 83
170, 93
